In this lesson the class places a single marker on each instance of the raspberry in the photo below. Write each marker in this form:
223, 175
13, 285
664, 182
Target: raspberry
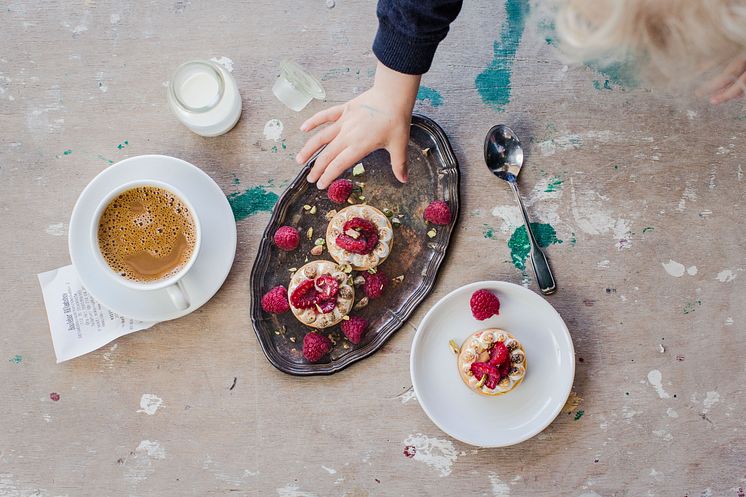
339, 191
327, 287
315, 346
275, 301
354, 328
287, 238
374, 284
479, 369
499, 354
438, 213
327, 306
366, 240
304, 295
484, 304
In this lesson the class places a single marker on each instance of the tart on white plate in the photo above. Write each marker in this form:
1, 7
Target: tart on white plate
361, 236
320, 294
492, 362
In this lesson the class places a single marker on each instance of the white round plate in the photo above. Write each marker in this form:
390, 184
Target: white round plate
505, 419
213, 262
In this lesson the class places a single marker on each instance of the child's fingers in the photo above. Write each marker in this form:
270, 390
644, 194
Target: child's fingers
398, 154
724, 79
325, 157
343, 161
321, 117
733, 91
316, 142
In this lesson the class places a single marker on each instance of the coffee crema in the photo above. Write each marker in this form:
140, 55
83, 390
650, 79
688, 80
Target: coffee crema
146, 234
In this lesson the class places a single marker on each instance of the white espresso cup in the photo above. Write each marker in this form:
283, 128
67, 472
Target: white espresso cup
173, 284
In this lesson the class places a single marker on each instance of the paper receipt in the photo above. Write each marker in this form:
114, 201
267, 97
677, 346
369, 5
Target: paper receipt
79, 324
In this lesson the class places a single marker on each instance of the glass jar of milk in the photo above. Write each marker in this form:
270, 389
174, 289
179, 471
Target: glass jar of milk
204, 96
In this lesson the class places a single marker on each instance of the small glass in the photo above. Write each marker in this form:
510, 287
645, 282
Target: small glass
204, 96
295, 87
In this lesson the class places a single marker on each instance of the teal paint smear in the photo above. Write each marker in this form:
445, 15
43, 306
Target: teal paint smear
427, 93
16, 359
690, 307
488, 232
554, 185
108, 161
573, 239
67, 152
620, 74
547, 27
252, 201
646, 229
123, 145
579, 414
493, 84
520, 247
236, 181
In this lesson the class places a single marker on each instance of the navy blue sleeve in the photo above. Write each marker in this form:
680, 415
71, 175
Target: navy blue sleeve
409, 32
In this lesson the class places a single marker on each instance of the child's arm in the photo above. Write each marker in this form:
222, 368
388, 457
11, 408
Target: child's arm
408, 35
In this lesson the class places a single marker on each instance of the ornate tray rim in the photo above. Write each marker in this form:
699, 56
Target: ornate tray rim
261, 260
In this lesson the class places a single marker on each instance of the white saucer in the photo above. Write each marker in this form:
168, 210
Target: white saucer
210, 268
506, 419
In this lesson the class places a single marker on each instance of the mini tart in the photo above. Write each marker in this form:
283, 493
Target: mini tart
345, 296
477, 347
360, 262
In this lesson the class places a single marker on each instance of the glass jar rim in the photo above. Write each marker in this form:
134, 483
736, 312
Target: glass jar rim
214, 70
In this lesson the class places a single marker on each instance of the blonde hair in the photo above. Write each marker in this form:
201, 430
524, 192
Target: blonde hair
673, 42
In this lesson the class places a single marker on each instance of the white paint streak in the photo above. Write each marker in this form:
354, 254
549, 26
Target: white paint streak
273, 129
739, 172
225, 62
510, 215
150, 403
100, 80
573, 141
629, 413
56, 229
726, 276
689, 194
438, 453
499, 487
604, 264
664, 434
331, 471
729, 321
291, 490
675, 269
408, 395
711, 398
691, 114
140, 465
654, 378
671, 412
115, 18
691, 270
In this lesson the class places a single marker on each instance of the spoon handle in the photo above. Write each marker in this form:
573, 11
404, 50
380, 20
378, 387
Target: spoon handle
543, 272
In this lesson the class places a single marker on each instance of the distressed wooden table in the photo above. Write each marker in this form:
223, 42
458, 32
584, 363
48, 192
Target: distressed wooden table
639, 197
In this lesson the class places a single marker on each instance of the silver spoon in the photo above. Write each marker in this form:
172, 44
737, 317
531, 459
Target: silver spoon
504, 157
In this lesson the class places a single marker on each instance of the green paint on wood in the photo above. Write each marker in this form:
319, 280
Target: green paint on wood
690, 307
621, 74
573, 240
488, 231
519, 246
16, 359
252, 201
646, 229
431, 94
108, 161
606, 85
236, 181
493, 84
123, 145
67, 152
554, 185
579, 414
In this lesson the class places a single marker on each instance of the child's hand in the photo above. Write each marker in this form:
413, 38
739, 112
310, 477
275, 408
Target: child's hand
377, 118
730, 84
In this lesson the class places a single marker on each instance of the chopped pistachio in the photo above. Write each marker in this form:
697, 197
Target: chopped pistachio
347, 269
361, 197
372, 270
360, 184
361, 303
306, 207
306, 259
359, 280
358, 169
345, 345
426, 151
319, 241
345, 318
277, 332
330, 214
432, 233
317, 250
350, 200
318, 308
388, 212
353, 234
292, 339
309, 233
481, 382
313, 210
454, 346
398, 279
395, 222
293, 269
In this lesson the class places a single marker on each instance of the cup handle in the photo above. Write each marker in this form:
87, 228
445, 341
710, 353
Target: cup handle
178, 295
